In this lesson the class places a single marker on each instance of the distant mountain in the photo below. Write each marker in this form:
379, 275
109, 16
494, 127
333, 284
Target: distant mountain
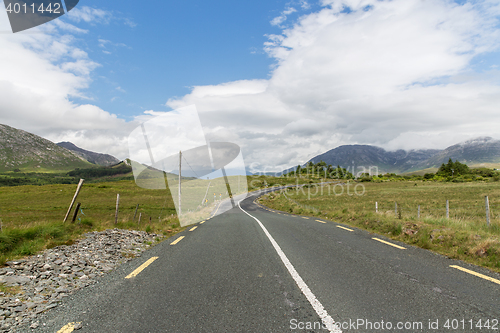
366, 156
472, 152
30, 153
483, 150
90, 156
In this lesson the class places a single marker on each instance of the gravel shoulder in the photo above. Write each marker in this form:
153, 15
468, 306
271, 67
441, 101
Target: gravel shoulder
40, 282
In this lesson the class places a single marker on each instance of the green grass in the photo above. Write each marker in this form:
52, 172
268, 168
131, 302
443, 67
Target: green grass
463, 236
10, 290
62, 165
33, 216
91, 174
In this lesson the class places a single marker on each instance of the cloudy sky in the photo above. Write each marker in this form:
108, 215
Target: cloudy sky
284, 80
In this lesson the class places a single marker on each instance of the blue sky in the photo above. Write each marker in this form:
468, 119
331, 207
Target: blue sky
285, 80
161, 49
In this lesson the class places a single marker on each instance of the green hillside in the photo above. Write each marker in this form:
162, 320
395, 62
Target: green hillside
21, 151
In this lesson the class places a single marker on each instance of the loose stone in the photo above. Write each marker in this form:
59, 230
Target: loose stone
41, 281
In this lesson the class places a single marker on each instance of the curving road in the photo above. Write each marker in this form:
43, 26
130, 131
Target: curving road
255, 270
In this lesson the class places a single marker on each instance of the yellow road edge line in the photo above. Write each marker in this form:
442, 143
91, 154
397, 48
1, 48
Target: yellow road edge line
341, 227
68, 328
177, 240
320, 221
141, 268
193, 228
202, 222
217, 209
383, 241
476, 274
305, 217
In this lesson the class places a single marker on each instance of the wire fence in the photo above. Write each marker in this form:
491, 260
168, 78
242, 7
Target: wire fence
449, 209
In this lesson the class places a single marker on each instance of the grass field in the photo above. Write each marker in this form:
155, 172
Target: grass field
32, 216
464, 235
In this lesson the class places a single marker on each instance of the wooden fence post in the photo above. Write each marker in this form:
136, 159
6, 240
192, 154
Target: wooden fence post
76, 212
74, 199
376, 207
117, 206
447, 209
487, 204
140, 215
135, 214
396, 209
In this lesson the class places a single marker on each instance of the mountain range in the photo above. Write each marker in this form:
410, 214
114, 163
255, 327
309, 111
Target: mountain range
90, 156
27, 152
482, 151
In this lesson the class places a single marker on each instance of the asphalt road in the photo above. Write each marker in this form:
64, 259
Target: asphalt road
254, 270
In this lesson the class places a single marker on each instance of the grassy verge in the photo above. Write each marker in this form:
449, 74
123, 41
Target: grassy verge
32, 215
464, 235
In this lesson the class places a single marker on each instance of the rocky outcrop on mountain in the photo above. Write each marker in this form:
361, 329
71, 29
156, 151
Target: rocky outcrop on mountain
42, 281
90, 156
29, 152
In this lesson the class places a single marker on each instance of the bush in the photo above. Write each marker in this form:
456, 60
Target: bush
452, 169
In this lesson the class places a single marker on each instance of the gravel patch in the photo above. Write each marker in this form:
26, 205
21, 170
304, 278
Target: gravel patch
43, 280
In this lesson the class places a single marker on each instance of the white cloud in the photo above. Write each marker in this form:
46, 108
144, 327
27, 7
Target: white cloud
393, 73
94, 15
89, 15
103, 42
69, 27
40, 72
304, 4
129, 23
283, 16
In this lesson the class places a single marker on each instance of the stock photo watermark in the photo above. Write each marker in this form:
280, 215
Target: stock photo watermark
28, 14
329, 181
358, 324
204, 178
363, 324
